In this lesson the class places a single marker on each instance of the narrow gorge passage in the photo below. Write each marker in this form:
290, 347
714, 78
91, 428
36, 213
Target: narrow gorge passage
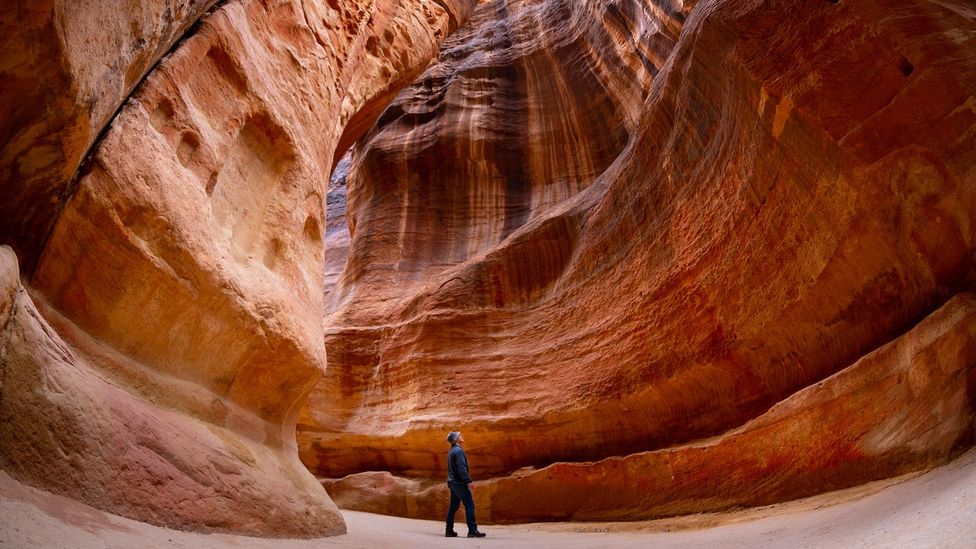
653, 257
934, 509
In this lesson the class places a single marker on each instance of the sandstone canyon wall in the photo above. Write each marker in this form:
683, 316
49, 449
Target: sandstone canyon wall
623, 234
168, 324
651, 256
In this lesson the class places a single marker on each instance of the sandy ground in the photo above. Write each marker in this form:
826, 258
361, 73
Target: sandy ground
935, 509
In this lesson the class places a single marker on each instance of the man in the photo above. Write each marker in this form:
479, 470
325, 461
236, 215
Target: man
458, 479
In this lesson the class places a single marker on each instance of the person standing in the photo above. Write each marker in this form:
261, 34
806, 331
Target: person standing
458, 479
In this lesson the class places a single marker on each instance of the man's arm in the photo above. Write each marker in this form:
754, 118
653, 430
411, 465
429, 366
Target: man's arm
463, 468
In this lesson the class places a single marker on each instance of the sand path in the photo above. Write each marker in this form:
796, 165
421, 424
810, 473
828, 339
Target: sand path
936, 509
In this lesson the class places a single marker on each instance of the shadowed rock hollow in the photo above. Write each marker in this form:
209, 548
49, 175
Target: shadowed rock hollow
653, 257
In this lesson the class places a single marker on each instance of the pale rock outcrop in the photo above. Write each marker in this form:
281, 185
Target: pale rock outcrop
83, 420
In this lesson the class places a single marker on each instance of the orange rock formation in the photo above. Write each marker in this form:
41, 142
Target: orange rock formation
173, 325
601, 229
67, 67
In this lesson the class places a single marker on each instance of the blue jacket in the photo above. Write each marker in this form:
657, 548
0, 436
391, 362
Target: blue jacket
457, 466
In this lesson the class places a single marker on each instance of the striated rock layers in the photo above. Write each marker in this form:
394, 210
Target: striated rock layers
479, 145
904, 406
155, 363
600, 229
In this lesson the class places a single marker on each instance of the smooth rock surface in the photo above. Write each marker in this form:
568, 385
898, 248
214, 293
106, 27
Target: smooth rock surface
71, 426
465, 169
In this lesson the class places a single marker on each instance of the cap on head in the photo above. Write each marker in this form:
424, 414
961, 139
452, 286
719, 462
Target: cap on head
453, 436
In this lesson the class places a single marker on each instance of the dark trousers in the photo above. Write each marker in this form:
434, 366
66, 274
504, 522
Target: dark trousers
460, 493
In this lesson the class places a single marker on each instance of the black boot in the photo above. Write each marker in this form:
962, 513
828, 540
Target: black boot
448, 533
476, 534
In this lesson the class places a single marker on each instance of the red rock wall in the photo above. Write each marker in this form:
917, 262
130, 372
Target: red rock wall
174, 324
487, 142
797, 189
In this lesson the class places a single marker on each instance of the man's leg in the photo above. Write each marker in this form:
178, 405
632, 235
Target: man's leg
468, 500
452, 510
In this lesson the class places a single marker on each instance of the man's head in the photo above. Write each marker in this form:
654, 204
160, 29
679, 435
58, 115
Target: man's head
454, 437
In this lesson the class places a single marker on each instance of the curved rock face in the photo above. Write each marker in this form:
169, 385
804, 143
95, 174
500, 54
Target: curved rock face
477, 153
565, 276
173, 325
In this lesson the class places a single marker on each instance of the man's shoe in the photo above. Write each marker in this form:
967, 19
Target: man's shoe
450, 534
476, 534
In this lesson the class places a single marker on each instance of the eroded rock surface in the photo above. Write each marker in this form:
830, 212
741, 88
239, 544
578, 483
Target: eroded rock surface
182, 282
67, 66
81, 419
466, 168
797, 188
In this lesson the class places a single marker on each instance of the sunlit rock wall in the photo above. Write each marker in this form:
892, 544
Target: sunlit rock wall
158, 354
